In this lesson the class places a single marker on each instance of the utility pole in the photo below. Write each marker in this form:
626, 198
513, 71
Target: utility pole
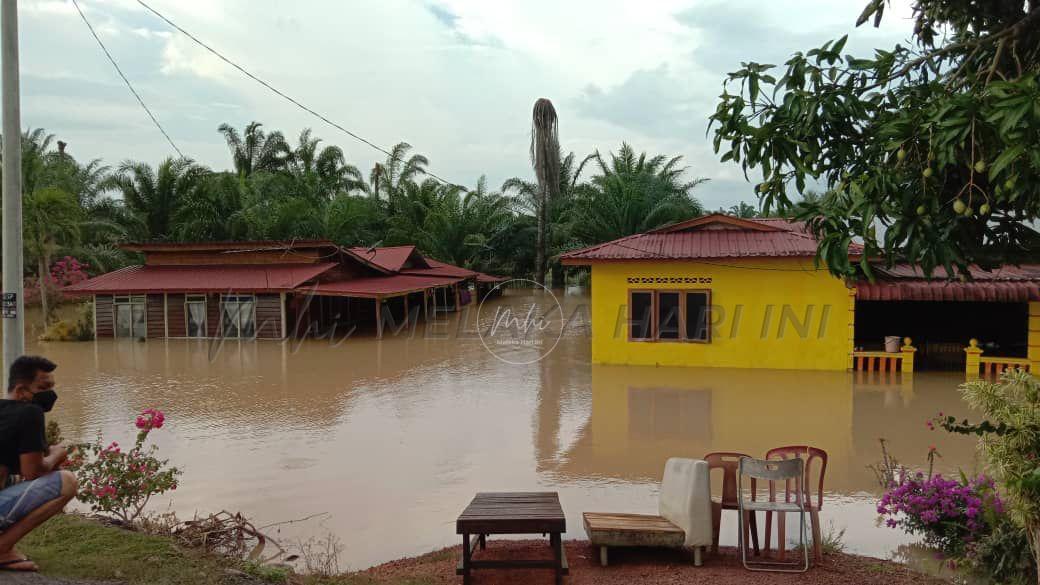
12, 304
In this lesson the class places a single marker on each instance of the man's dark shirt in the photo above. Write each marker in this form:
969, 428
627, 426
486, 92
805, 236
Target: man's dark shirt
21, 431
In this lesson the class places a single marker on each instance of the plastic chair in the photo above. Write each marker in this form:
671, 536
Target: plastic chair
810, 455
728, 463
786, 470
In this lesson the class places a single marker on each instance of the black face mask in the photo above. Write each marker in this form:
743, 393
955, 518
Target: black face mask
45, 399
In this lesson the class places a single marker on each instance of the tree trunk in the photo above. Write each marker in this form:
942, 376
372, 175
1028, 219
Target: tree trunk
42, 277
1033, 533
558, 278
540, 259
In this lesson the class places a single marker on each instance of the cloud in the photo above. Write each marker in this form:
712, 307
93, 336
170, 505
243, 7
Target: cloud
445, 16
455, 78
655, 102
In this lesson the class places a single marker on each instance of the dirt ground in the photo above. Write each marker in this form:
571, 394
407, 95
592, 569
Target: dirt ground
637, 566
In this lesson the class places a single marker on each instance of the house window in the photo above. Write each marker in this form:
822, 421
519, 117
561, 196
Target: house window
697, 310
238, 315
130, 316
195, 315
641, 315
669, 315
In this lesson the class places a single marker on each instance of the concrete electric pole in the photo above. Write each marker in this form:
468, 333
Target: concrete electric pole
12, 304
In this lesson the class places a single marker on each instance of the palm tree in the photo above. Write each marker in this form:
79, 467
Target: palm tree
464, 227
210, 210
51, 216
527, 202
633, 194
253, 150
743, 210
65, 209
389, 177
156, 195
350, 220
545, 158
322, 172
408, 209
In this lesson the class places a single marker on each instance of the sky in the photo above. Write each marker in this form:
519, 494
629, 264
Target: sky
456, 79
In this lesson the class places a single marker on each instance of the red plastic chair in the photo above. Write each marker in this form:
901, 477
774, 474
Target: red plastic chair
728, 463
811, 455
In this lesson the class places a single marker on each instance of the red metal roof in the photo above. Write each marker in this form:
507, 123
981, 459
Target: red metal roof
379, 286
221, 278
712, 236
490, 278
438, 268
389, 258
922, 290
226, 245
717, 221
905, 282
901, 271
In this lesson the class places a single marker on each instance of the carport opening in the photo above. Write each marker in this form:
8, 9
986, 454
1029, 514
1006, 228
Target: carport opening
941, 330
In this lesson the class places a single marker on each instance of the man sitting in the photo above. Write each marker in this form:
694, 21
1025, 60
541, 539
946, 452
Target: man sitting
24, 451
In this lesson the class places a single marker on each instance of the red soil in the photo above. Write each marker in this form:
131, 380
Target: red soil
636, 566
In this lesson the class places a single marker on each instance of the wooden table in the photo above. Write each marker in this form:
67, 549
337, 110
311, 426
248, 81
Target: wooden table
512, 513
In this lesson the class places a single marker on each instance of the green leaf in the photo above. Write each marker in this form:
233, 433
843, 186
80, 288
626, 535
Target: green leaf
1005, 158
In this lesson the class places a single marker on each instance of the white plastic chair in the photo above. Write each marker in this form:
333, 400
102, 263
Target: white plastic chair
771, 471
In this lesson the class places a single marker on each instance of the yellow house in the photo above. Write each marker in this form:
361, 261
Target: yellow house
722, 291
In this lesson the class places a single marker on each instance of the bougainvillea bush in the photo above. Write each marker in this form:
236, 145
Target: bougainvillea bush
120, 483
1009, 438
951, 514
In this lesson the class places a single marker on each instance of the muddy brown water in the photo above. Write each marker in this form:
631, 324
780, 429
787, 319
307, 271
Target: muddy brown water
390, 439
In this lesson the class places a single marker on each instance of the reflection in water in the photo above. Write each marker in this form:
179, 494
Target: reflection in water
394, 437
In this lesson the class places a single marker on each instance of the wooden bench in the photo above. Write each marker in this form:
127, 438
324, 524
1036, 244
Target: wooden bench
606, 530
512, 513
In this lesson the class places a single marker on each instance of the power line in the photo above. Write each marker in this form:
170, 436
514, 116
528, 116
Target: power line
280, 93
125, 80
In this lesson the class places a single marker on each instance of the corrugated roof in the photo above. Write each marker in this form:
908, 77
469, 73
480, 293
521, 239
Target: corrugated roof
438, 268
210, 278
902, 271
905, 282
226, 245
490, 278
378, 286
390, 258
712, 236
922, 290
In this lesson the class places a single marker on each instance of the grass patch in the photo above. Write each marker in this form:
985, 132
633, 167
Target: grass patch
75, 547
357, 579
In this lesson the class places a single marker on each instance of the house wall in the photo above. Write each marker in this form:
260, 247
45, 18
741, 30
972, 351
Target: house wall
766, 313
104, 325
155, 316
171, 314
268, 316
176, 316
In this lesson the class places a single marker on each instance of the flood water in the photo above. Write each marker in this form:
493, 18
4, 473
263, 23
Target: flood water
390, 439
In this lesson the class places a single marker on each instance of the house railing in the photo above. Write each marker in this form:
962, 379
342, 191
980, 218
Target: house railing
883, 361
990, 365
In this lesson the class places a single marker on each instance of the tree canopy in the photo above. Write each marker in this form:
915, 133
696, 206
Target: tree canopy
281, 191
930, 153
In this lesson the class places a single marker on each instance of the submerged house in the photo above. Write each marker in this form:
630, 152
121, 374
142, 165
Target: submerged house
746, 293
272, 290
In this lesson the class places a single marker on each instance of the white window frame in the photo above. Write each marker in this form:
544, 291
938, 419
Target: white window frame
237, 299
199, 299
131, 301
